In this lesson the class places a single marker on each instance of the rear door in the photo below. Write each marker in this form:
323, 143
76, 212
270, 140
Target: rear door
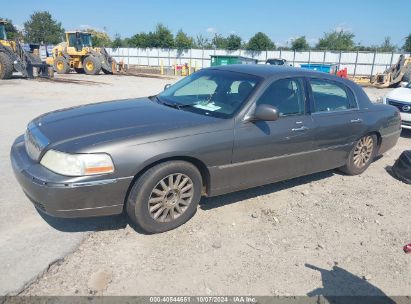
338, 122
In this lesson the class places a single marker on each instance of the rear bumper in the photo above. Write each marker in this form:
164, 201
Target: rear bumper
63, 196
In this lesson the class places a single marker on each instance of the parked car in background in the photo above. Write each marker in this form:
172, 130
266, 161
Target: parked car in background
401, 99
217, 131
278, 61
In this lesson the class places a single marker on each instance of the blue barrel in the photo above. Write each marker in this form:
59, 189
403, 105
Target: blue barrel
326, 68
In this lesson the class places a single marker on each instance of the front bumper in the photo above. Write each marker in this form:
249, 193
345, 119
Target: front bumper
406, 120
64, 196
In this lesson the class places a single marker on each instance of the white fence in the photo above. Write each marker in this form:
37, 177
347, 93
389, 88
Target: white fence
357, 63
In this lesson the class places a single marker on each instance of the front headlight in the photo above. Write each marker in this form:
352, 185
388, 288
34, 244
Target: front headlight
77, 164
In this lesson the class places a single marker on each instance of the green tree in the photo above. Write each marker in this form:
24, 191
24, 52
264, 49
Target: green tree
139, 40
117, 42
182, 41
260, 42
11, 31
42, 28
233, 42
387, 46
98, 38
407, 45
203, 42
337, 41
219, 42
161, 38
300, 44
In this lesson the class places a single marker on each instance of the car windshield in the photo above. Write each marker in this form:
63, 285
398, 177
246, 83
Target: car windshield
408, 86
3, 32
210, 92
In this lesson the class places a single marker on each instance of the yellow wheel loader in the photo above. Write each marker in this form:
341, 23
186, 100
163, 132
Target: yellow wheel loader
401, 71
13, 57
78, 53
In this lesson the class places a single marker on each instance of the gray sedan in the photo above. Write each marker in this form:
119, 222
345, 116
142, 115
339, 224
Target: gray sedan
217, 131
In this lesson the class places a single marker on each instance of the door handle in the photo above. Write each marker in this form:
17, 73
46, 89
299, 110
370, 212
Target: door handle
300, 129
356, 120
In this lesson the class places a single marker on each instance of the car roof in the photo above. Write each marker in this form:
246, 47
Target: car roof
268, 71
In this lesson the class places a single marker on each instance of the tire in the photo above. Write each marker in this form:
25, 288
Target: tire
91, 65
407, 75
79, 70
61, 65
107, 72
151, 189
6, 66
361, 155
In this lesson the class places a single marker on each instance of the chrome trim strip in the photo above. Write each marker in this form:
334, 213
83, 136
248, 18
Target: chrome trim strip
84, 209
281, 156
75, 184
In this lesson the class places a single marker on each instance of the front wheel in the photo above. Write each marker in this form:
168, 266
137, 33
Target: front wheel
91, 65
361, 156
165, 196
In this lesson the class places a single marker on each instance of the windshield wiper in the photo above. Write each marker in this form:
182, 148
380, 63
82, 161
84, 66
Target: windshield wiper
175, 105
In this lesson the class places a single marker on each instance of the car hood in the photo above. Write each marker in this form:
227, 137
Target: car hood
116, 120
400, 94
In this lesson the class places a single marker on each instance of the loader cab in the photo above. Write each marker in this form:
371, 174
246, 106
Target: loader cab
3, 35
79, 40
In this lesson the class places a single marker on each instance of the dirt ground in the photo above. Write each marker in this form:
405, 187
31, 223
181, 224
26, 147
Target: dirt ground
326, 233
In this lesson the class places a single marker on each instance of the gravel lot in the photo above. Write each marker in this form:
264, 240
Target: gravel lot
326, 233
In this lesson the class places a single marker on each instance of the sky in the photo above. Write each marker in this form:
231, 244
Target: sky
282, 21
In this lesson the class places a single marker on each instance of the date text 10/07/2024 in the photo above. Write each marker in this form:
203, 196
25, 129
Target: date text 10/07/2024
203, 299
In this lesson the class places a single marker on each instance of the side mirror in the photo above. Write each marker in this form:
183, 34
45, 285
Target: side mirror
265, 112
167, 86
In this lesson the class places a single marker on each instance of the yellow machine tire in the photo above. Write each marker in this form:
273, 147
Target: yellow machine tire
6, 66
91, 65
61, 65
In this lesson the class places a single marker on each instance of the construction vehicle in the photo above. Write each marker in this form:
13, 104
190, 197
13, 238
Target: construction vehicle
13, 57
401, 71
391, 77
78, 53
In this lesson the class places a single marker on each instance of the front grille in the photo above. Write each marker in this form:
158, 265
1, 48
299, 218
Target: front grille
34, 141
404, 107
406, 123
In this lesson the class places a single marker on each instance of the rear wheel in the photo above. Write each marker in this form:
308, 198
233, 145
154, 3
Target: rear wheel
91, 65
6, 66
361, 156
61, 65
165, 196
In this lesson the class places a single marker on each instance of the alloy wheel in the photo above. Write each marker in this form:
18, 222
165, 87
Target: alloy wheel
171, 197
363, 151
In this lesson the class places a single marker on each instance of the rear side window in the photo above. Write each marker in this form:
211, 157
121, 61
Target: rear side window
331, 96
287, 95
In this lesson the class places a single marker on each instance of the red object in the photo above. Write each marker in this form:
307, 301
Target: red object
407, 248
343, 73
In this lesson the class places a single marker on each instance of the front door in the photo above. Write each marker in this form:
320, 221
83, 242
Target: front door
269, 151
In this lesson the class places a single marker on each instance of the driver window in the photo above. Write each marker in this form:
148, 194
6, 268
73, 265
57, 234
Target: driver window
287, 95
